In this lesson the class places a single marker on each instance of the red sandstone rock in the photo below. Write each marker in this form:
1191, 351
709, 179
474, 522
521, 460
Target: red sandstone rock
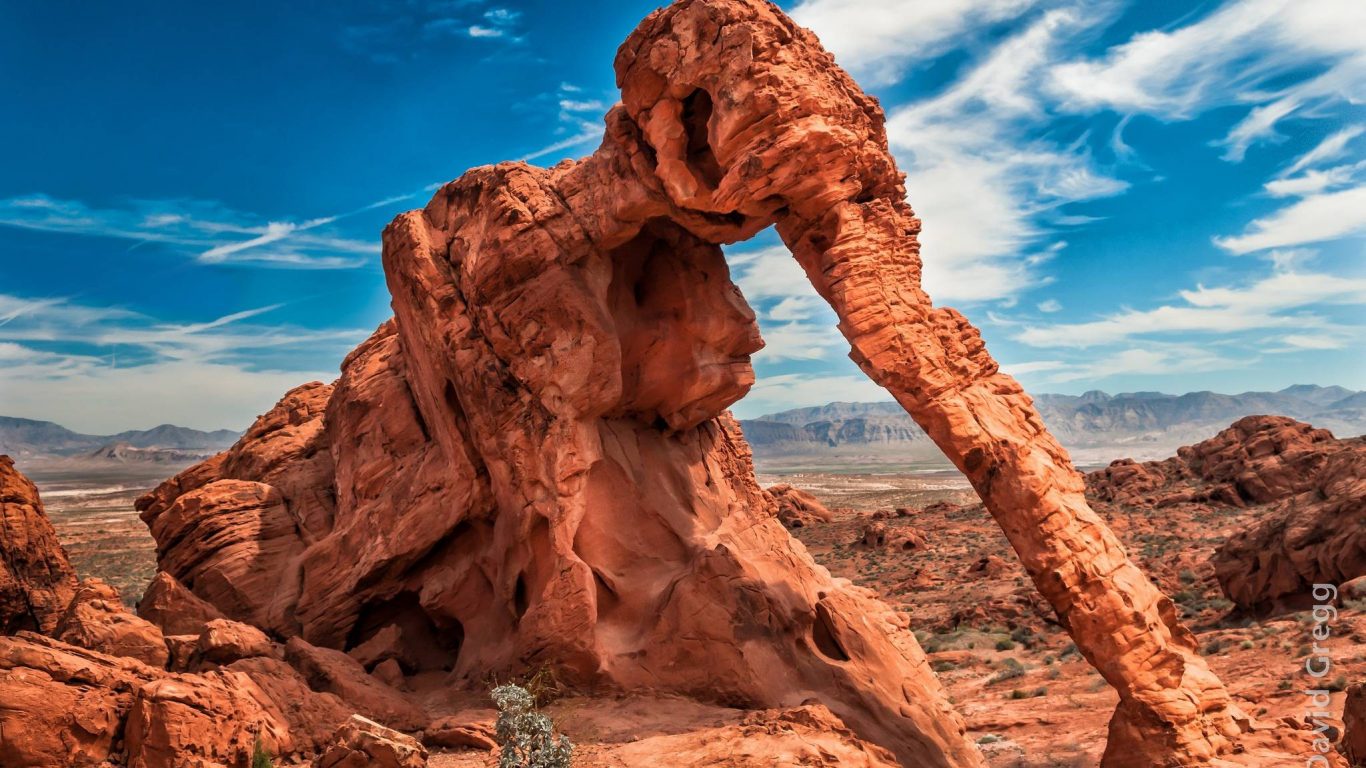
65, 705
1316, 536
97, 619
457, 733
1259, 459
1354, 724
907, 540
335, 672
873, 535
62, 705
1308, 488
989, 566
533, 461
36, 580
797, 508
223, 641
390, 673
363, 743
177, 610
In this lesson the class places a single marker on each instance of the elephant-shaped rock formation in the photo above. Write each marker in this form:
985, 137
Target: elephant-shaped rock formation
532, 463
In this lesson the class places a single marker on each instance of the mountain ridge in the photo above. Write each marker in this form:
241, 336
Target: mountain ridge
32, 438
1088, 424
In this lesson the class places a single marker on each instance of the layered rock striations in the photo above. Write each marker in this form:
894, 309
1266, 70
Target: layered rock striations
1305, 495
36, 579
533, 464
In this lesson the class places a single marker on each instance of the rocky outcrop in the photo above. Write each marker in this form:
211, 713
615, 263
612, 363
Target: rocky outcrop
178, 611
98, 620
335, 672
223, 642
65, 705
1257, 460
1305, 496
1315, 536
363, 743
533, 464
1354, 725
797, 508
36, 580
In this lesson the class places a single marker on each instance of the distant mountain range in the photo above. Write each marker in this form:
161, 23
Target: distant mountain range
1095, 426
28, 438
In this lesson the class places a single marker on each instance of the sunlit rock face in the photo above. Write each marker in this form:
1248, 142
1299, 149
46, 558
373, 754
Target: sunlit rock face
36, 579
533, 462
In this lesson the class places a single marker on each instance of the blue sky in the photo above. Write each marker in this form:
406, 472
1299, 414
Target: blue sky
1121, 195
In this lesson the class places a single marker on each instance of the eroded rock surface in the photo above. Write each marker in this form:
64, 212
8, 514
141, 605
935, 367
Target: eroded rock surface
797, 508
1305, 496
363, 743
66, 705
36, 579
178, 611
533, 464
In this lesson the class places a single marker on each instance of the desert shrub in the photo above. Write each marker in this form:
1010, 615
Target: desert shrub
527, 737
260, 756
1009, 671
1005, 645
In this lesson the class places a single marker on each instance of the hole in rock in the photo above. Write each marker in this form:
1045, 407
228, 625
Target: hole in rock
421, 643
823, 636
519, 598
696, 116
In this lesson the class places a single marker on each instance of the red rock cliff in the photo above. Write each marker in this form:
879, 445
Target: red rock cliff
36, 580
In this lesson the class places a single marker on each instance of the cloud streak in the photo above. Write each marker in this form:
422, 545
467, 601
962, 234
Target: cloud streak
205, 231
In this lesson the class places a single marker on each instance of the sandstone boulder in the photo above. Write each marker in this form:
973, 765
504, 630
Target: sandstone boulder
66, 705
60, 704
97, 619
363, 743
178, 611
460, 733
335, 672
36, 580
223, 641
873, 535
1354, 724
797, 508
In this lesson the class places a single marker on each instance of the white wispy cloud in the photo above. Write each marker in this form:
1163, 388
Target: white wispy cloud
1281, 300
580, 121
981, 175
1311, 182
1149, 360
796, 390
105, 369
206, 231
796, 323
878, 40
86, 395
1312, 219
1251, 53
1331, 148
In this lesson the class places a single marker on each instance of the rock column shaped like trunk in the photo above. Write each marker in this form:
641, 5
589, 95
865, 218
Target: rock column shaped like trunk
533, 464
787, 136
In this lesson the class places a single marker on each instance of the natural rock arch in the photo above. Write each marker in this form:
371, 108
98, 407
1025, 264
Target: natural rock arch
536, 450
